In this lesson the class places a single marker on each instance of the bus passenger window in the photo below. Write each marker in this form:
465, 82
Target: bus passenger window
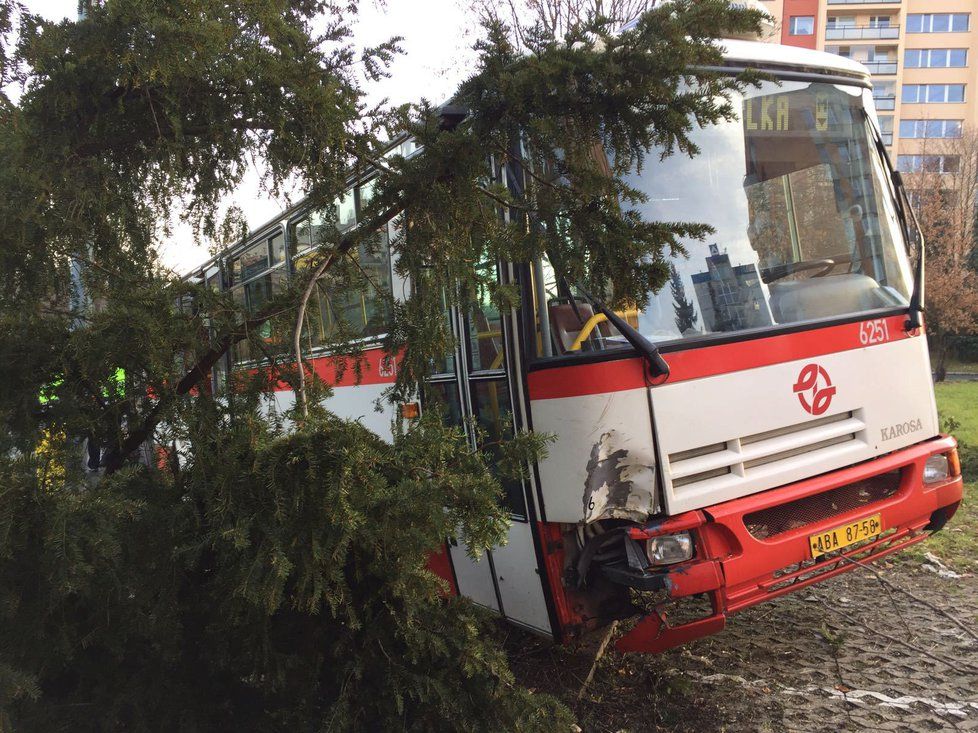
257, 274
354, 301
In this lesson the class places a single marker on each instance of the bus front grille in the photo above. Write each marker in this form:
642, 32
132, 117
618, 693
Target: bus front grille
777, 520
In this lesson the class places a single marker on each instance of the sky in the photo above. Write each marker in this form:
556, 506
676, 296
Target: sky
438, 35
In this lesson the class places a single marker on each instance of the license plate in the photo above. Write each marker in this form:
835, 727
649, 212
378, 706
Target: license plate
848, 534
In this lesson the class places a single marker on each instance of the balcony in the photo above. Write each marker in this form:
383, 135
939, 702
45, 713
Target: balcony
880, 67
862, 32
884, 103
864, 2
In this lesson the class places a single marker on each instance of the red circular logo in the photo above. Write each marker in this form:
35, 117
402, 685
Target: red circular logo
814, 389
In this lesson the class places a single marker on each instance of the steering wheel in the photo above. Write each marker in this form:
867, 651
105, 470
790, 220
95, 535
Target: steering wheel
770, 274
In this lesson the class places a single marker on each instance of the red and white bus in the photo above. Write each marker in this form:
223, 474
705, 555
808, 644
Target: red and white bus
766, 417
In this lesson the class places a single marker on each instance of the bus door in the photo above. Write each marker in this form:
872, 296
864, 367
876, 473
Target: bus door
475, 387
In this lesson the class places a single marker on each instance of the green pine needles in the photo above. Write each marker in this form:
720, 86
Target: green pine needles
265, 572
282, 588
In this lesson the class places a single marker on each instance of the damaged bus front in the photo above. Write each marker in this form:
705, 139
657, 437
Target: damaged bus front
764, 419
793, 428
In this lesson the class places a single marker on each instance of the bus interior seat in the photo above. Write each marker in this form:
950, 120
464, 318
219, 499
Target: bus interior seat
823, 297
565, 325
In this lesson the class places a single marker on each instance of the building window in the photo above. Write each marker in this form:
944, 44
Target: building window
884, 95
935, 58
930, 128
841, 21
802, 25
928, 163
938, 22
880, 21
880, 53
932, 93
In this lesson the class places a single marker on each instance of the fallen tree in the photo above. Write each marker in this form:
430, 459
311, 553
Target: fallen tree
253, 577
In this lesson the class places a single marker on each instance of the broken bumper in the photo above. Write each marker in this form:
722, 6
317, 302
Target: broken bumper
756, 548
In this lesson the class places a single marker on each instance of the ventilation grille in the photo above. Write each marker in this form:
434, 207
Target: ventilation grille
739, 458
777, 520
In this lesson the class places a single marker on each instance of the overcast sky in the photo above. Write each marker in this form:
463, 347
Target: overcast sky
438, 36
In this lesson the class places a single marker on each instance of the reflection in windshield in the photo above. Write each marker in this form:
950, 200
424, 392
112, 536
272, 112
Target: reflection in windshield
805, 224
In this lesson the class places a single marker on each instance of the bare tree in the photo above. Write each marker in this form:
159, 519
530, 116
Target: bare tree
556, 17
943, 180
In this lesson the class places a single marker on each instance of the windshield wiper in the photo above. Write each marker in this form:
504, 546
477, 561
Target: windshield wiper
657, 365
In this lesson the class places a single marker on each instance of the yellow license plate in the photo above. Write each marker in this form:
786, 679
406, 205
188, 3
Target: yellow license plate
848, 534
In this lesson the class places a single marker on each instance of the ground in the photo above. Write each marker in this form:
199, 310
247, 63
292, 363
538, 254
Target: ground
818, 660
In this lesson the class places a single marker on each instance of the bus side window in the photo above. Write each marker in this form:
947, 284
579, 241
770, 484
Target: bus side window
360, 306
256, 274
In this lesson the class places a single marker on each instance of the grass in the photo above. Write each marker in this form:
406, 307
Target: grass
959, 401
957, 544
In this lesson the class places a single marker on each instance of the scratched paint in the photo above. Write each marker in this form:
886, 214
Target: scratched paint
617, 484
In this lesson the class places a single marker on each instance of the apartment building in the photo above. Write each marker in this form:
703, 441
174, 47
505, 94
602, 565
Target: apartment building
923, 55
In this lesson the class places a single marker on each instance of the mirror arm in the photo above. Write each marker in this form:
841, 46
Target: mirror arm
912, 224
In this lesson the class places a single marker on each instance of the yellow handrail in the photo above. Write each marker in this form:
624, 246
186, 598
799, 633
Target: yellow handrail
498, 360
585, 333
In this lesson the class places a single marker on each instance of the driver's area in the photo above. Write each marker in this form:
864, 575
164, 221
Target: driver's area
814, 212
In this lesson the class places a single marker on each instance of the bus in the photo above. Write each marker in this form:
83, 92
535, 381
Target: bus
767, 419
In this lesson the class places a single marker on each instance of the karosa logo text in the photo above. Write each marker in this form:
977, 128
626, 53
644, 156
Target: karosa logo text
900, 429
814, 389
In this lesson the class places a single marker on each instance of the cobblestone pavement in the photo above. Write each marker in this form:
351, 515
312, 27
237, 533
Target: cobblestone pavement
805, 662
827, 671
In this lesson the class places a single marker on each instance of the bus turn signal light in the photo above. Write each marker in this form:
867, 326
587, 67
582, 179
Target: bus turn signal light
954, 462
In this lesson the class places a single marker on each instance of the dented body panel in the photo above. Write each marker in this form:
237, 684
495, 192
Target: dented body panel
602, 464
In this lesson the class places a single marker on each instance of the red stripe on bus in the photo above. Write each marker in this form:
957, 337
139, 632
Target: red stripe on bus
708, 361
376, 369
583, 379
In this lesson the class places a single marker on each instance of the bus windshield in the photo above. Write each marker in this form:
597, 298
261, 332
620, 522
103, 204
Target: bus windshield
805, 223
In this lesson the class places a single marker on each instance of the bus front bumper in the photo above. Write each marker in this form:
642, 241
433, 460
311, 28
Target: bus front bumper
758, 547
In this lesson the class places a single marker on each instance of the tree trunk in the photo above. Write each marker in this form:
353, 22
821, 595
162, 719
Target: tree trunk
940, 357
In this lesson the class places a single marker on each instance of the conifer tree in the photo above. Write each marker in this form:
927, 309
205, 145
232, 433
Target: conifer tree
686, 317
260, 574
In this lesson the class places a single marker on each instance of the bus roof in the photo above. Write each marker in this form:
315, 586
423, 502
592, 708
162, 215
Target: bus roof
737, 54
760, 55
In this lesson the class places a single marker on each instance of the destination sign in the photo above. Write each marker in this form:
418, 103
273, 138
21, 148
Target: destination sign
785, 112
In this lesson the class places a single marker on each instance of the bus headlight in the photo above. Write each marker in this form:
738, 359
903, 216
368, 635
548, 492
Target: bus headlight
936, 469
670, 548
